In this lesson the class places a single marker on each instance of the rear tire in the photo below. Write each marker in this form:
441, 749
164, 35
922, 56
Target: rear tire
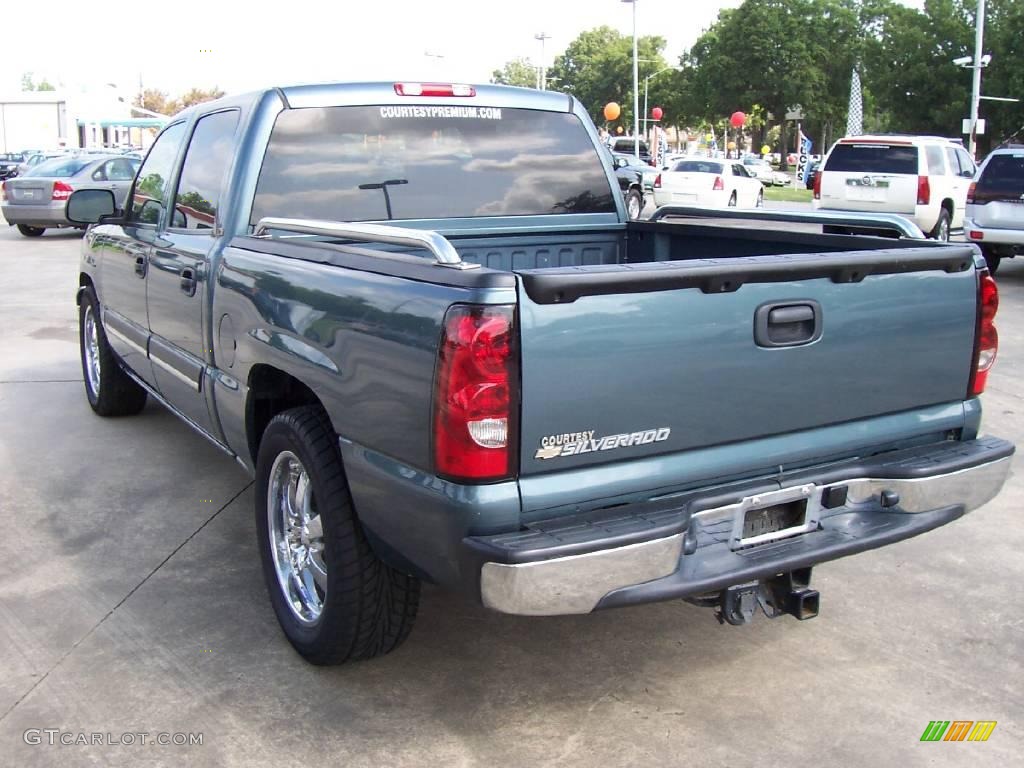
334, 599
732, 200
941, 229
28, 231
111, 391
993, 259
759, 203
634, 204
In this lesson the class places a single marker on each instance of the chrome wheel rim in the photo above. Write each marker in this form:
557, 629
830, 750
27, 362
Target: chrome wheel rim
760, 200
91, 347
634, 207
296, 538
943, 230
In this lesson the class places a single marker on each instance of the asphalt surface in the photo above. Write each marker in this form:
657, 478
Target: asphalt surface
131, 602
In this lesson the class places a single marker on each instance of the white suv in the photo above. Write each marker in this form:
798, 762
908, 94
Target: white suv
995, 206
924, 178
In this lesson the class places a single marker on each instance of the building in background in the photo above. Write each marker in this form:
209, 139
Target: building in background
84, 117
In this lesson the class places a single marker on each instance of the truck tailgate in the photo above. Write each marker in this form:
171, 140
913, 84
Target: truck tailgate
627, 361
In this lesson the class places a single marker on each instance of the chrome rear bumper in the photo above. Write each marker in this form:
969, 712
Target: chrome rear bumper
706, 555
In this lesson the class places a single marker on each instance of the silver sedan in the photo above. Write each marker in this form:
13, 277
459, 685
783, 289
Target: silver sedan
35, 201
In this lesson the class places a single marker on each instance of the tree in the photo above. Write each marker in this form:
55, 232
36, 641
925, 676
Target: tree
28, 83
156, 101
520, 72
198, 96
597, 67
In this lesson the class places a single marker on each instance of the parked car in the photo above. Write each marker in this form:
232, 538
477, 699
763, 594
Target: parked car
624, 145
35, 200
482, 375
709, 183
9, 162
631, 185
35, 158
647, 171
924, 178
995, 206
759, 169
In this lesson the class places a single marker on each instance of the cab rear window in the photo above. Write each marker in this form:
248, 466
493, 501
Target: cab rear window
429, 162
873, 158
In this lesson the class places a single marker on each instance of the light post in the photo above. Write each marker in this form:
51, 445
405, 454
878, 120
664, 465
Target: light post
542, 82
975, 63
646, 81
636, 88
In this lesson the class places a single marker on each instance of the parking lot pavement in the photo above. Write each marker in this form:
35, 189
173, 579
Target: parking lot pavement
131, 602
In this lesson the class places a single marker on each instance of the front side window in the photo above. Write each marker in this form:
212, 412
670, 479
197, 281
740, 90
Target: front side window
152, 187
429, 162
202, 174
954, 164
967, 166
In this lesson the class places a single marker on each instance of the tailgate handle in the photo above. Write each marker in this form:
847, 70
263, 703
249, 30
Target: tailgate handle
787, 323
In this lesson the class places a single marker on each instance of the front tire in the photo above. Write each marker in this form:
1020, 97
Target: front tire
111, 391
941, 229
28, 231
334, 599
759, 203
634, 204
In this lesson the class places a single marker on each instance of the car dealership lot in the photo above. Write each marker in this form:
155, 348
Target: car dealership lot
131, 601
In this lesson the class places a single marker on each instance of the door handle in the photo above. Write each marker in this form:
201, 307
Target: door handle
188, 281
787, 323
140, 266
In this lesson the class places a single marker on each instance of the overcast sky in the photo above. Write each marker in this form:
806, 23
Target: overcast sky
245, 45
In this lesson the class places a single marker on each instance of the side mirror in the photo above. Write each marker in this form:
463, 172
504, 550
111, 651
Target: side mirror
621, 162
88, 206
968, 174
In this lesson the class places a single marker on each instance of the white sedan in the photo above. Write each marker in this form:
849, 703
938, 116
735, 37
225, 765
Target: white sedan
709, 184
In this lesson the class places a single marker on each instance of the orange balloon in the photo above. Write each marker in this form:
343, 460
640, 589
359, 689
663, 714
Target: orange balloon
612, 111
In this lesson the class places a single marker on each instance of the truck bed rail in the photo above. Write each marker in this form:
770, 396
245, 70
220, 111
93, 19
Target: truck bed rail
887, 222
443, 251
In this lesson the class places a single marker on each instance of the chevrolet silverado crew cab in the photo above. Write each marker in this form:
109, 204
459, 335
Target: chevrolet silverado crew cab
924, 178
418, 315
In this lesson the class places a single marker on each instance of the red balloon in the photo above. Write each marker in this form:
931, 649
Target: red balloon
737, 119
656, 113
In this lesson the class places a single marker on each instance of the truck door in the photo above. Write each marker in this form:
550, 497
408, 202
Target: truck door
179, 272
126, 252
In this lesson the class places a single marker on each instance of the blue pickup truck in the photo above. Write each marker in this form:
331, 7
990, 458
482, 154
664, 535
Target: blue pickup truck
418, 315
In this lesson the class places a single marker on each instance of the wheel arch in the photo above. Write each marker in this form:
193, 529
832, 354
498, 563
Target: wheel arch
271, 391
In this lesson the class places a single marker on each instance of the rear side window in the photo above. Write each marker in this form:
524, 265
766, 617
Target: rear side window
873, 158
697, 166
427, 162
153, 182
936, 167
203, 172
1003, 177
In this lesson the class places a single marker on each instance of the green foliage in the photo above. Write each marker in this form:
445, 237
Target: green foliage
158, 101
597, 67
519, 72
28, 83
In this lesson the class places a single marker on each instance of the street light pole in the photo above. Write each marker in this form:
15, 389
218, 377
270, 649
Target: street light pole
636, 87
542, 80
979, 34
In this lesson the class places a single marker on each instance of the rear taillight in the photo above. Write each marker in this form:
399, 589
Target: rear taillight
924, 191
475, 404
719, 184
434, 89
817, 186
971, 190
61, 190
657, 181
986, 340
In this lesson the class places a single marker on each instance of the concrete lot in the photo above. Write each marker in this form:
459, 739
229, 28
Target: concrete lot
131, 601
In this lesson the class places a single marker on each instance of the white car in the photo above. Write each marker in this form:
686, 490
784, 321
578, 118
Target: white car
995, 206
708, 184
760, 169
924, 178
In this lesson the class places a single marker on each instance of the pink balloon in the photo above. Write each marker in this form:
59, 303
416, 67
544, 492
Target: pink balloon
656, 113
737, 119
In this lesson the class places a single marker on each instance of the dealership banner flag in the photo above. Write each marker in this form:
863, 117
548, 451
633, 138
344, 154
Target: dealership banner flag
855, 114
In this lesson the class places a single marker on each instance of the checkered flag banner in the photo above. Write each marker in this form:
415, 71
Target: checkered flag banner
855, 114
